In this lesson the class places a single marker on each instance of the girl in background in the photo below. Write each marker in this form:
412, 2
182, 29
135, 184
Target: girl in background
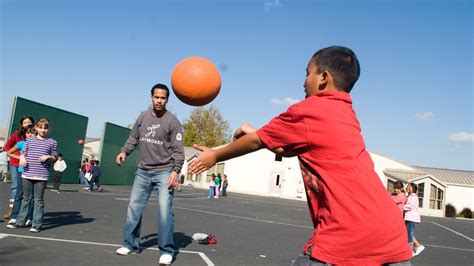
20, 146
16, 189
398, 195
412, 217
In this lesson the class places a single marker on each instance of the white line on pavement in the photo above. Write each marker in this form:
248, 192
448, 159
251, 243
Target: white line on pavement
462, 249
245, 218
232, 216
457, 233
202, 255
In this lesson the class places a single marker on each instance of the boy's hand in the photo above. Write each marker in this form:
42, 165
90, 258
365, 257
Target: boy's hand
23, 161
204, 161
243, 130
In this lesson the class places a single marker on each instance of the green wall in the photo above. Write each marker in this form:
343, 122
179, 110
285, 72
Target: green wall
113, 138
66, 128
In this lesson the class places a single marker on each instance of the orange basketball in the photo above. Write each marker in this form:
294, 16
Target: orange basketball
80, 142
196, 81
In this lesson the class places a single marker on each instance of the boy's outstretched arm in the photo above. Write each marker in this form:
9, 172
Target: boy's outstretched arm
245, 144
247, 129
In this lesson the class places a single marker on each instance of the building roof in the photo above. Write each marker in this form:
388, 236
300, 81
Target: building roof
447, 176
451, 176
91, 139
189, 152
404, 175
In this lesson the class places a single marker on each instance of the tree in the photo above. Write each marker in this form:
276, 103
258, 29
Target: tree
206, 127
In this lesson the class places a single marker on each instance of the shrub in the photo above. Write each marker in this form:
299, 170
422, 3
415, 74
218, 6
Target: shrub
450, 211
466, 213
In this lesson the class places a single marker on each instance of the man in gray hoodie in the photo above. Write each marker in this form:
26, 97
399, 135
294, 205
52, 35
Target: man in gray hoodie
159, 134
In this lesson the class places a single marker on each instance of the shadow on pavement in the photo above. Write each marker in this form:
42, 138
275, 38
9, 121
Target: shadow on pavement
55, 219
181, 240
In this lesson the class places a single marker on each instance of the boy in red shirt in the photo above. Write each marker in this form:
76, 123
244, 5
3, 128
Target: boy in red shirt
355, 220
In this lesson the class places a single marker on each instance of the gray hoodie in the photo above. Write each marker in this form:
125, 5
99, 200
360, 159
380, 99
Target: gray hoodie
160, 141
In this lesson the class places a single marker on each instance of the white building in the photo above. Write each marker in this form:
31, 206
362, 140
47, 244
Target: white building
91, 148
263, 173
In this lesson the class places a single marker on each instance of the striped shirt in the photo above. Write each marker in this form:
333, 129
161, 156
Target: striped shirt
34, 149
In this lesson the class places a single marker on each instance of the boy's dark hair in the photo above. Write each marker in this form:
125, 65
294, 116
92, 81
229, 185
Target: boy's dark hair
341, 62
60, 155
398, 185
414, 187
162, 87
96, 162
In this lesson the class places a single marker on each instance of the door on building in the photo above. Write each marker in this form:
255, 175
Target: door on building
276, 180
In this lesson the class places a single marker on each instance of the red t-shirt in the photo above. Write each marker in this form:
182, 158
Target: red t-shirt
354, 217
11, 142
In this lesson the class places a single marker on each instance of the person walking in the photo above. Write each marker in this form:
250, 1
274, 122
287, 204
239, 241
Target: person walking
95, 176
225, 184
3, 165
159, 134
59, 167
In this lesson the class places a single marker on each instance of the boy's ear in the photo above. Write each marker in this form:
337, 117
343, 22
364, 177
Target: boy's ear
324, 80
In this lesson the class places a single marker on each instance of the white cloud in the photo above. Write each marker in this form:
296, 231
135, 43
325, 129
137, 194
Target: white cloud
285, 101
426, 116
270, 4
461, 138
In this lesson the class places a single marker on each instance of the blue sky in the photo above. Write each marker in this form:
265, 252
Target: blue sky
99, 59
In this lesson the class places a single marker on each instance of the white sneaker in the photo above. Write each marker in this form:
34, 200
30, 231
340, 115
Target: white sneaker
34, 230
419, 250
11, 224
124, 251
166, 259
28, 223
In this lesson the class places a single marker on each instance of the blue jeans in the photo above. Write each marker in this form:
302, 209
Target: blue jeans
17, 188
29, 187
16, 181
410, 230
84, 181
145, 181
18, 198
212, 191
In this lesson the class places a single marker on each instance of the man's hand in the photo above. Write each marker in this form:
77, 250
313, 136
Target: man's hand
243, 130
204, 161
120, 158
173, 180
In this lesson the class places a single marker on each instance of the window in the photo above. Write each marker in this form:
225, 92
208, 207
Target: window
436, 198
198, 178
390, 185
420, 193
439, 199
278, 158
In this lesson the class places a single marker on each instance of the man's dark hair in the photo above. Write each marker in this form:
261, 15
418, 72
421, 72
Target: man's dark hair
161, 87
60, 155
341, 62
